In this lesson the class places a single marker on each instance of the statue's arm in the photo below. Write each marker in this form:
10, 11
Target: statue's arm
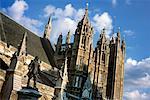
39, 69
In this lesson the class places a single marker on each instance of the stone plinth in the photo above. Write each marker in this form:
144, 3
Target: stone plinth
28, 93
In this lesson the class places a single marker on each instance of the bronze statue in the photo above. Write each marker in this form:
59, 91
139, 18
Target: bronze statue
34, 69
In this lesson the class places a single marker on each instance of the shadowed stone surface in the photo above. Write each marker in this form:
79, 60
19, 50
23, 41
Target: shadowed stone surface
28, 93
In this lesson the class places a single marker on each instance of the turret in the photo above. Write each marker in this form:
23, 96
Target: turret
112, 41
118, 36
68, 38
103, 36
48, 29
81, 55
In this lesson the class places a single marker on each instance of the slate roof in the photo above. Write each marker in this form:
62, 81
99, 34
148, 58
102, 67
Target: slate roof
14, 34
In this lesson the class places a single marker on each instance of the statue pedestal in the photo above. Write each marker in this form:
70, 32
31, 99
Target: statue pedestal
28, 93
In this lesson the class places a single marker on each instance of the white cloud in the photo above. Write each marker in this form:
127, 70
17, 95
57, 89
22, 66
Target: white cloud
114, 2
17, 10
143, 81
137, 78
103, 21
128, 32
62, 25
136, 95
79, 14
49, 10
140, 82
64, 19
131, 63
69, 10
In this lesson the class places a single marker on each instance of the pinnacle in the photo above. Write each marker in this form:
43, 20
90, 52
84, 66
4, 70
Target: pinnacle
50, 20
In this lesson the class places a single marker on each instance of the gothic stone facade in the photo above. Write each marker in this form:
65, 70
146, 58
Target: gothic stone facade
104, 65
70, 71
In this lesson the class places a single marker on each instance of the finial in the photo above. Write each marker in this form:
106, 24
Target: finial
68, 37
112, 39
118, 33
86, 9
103, 31
87, 4
123, 40
118, 29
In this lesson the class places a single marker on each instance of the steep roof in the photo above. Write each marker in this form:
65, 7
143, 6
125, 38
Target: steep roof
14, 34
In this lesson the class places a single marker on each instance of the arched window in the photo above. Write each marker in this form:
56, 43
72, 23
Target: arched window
103, 57
86, 29
87, 41
76, 84
83, 39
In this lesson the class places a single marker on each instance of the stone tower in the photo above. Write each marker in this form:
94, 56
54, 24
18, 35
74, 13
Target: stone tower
95, 73
80, 55
116, 68
101, 67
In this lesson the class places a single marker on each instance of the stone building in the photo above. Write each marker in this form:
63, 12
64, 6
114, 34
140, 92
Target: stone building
70, 71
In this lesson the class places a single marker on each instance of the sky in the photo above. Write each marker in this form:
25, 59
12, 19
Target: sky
132, 16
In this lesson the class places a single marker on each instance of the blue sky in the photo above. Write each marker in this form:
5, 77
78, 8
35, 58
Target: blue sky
131, 15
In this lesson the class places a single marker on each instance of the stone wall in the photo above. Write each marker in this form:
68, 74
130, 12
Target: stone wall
20, 77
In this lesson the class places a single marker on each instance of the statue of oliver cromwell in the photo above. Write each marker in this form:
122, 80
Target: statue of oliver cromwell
34, 69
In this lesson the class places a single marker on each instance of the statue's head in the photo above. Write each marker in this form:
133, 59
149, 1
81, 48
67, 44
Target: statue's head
36, 58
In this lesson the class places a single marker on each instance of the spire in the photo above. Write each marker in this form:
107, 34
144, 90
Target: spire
22, 47
118, 36
50, 20
68, 38
102, 35
86, 13
48, 28
112, 41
